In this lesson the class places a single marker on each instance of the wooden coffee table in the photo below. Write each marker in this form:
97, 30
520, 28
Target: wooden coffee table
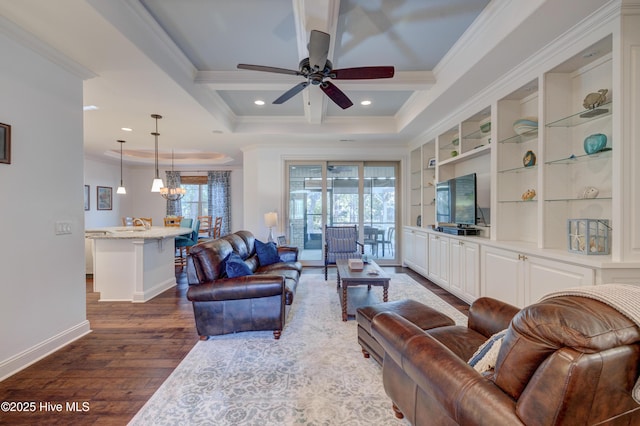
371, 275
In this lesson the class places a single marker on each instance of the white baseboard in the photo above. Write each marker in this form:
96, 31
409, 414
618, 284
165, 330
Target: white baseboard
150, 293
24, 359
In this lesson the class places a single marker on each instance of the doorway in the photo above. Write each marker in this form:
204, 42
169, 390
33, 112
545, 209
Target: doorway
340, 194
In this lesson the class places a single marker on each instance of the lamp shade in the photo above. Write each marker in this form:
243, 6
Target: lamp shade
121, 190
157, 184
271, 219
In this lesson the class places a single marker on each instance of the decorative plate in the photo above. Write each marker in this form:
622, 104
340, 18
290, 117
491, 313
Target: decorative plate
525, 125
595, 143
529, 159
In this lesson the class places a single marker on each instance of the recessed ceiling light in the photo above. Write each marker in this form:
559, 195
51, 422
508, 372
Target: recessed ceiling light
127, 129
259, 102
89, 108
365, 103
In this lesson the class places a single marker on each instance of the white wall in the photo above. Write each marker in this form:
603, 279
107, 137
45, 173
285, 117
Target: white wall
139, 201
264, 175
98, 173
42, 282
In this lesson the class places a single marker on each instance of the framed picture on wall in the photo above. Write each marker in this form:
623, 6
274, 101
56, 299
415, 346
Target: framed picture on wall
282, 240
432, 163
103, 197
86, 197
5, 143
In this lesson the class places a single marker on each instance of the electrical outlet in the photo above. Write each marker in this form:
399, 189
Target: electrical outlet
63, 227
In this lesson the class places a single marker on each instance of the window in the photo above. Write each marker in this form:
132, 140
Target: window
196, 201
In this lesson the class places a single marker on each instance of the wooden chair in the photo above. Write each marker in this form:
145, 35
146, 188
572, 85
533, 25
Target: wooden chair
172, 221
217, 227
206, 229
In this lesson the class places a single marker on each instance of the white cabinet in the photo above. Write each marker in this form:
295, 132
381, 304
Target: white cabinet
439, 260
522, 279
464, 265
415, 250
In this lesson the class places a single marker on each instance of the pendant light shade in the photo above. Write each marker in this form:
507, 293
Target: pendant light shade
173, 192
157, 182
121, 189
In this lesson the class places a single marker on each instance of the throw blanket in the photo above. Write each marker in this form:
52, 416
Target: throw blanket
625, 298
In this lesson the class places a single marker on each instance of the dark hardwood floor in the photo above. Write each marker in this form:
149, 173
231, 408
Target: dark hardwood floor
110, 373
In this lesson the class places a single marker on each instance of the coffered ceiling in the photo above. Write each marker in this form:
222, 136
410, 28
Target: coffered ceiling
179, 59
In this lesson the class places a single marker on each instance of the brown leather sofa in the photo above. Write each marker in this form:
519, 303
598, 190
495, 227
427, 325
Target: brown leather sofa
255, 302
568, 360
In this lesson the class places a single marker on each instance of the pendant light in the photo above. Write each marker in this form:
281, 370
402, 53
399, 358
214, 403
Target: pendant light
173, 193
157, 182
121, 189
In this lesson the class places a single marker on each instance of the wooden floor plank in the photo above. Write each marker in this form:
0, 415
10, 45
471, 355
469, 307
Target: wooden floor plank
132, 349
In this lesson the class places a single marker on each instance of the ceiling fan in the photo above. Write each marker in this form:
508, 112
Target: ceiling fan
317, 69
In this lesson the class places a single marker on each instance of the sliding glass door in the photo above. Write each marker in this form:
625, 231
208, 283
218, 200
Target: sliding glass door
339, 194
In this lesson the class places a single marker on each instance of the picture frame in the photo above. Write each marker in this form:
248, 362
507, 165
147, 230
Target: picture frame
282, 240
87, 203
5, 143
432, 163
104, 197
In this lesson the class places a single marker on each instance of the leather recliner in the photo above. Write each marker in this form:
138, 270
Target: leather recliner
568, 360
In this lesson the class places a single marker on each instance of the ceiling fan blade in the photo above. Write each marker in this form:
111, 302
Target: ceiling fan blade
362, 73
268, 69
291, 92
318, 49
336, 95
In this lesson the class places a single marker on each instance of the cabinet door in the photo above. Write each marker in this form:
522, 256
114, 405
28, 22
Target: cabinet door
471, 270
543, 276
443, 262
502, 275
407, 246
420, 250
434, 257
456, 258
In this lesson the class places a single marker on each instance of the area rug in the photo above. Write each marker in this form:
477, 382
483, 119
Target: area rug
314, 374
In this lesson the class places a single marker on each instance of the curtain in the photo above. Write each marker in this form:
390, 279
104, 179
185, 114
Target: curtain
174, 208
219, 187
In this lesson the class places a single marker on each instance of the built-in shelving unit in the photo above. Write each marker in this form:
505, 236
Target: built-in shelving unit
524, 253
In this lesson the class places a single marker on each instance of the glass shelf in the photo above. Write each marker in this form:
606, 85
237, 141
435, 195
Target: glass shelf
478, 134
518, 201
574, 159
525, 137
585, 116
607, 198
520, 169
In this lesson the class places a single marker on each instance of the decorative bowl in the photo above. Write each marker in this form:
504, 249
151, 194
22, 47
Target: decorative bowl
525, 125
455, 142
595, 143
486, 127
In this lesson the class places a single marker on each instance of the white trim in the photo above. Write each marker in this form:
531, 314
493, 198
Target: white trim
34, 354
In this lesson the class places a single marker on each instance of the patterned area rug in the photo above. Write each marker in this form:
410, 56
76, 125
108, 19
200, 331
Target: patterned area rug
314, 375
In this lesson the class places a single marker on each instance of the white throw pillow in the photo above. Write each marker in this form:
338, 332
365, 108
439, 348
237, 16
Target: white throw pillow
484, 359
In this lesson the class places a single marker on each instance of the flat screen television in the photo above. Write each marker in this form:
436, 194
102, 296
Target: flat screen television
456, 200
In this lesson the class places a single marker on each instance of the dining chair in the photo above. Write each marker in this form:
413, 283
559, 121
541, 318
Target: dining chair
206, 226
172, 220
185, 242
217, 228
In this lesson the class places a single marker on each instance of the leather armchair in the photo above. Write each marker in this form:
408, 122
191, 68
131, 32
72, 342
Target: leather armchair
564, 361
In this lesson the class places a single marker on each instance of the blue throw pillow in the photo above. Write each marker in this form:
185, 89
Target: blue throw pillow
235, 266
267, 253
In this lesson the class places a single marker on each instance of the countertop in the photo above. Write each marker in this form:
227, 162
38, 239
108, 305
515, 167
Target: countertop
135, 232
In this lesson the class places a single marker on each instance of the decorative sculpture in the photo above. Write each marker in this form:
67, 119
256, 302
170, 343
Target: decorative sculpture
529, 194
594, 100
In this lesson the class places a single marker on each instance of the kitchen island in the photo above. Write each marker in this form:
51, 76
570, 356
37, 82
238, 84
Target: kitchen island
133, 263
